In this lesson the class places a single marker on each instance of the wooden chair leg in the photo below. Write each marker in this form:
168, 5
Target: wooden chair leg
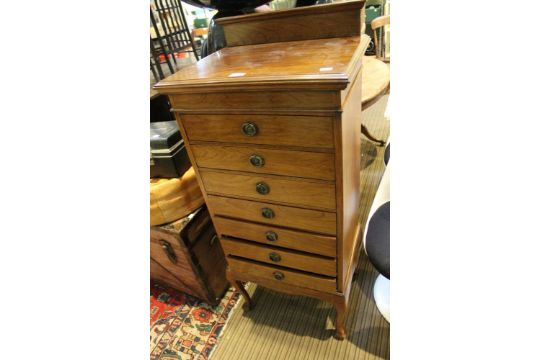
371, 137
341, 309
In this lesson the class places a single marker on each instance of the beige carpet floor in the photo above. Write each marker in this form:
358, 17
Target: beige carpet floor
296, 327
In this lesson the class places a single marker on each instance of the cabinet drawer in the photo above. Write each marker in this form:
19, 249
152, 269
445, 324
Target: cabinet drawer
276, 275
270, 235
271, 188
305, 131
311, 263
296, 218
317, 165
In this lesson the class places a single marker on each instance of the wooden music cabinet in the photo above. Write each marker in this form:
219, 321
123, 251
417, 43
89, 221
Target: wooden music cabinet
272, 128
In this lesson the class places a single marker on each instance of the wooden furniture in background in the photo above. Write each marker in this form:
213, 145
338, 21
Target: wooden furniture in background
186, 256
375, 83
379, 36
273, 132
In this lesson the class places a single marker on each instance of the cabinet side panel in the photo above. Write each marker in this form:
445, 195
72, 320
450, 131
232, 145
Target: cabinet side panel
347, 130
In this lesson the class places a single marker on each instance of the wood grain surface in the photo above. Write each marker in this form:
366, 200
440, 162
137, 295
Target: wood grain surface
375, 79
291, 277
291, 217
320, 195
286, 258
302, 131
312, 64
296, 240
347, 137
313, 22
274, 161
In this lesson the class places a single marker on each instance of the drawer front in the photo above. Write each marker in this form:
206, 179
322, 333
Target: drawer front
296, 218
270, 235
302, 164
266, 188
311, 263
276, 275
305, 131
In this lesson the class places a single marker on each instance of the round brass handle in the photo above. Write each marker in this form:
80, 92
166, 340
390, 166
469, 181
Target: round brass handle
256, 160
274, 257
249, 129
267, 213
271, 236
262, 188
278, 275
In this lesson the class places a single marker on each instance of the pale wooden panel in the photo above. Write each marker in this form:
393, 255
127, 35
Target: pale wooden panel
317, 244
271, 100
290, 277
320, 195
348, 183
307, 131
290, 259
292, 217
295, 64
278, 162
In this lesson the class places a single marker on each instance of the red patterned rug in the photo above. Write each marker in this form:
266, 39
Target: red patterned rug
183, 327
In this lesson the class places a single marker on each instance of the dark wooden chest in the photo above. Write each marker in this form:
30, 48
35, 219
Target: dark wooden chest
187, 256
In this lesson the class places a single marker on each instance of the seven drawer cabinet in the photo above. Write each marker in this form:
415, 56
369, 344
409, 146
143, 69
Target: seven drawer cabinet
273, 132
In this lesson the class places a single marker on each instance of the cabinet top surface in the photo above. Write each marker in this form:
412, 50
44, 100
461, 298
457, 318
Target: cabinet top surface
319, 62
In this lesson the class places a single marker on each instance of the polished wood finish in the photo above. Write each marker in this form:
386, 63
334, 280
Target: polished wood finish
301, 164
281, 257
303, 97
283, 190
321, 64
284, 216
375, 80
375, 83
299, 131
291, 277
291, 239
347, 138
322, 21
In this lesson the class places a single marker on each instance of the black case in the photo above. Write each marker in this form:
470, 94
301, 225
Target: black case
168, 155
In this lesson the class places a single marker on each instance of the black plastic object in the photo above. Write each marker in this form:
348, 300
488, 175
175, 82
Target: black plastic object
168, 155
227, 5
160, 109
378, 239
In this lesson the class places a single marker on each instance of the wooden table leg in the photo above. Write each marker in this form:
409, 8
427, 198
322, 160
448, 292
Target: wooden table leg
371, 137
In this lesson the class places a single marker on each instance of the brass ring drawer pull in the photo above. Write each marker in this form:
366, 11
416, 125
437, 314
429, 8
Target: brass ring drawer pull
256, 160
278, 275
262, 188
267, 213
274, 257
271, 236
249, 129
